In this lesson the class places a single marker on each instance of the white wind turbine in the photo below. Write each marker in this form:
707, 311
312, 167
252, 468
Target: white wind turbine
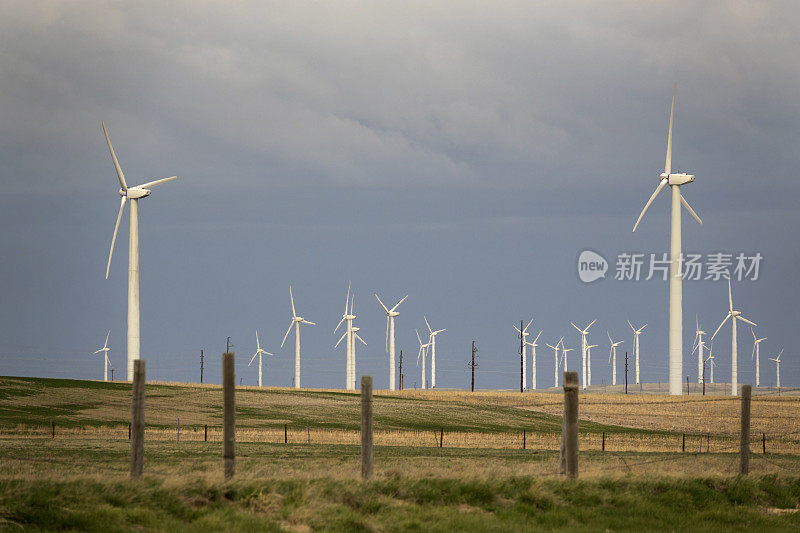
347, 317
755, 354
432, 342
555, 353
533, 346
589, 363
612, 358
295, 322
737, 315
356, 337
564, 352
699, 345
105, 349
583, 333
391, 314
711, 366
636, 333
259, 353
423, 350
133, 194
777, 369
675, 279
524, 333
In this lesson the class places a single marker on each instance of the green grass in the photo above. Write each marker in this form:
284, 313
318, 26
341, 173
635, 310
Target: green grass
399, 504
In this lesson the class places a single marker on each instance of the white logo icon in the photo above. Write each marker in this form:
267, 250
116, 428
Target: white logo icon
591, 266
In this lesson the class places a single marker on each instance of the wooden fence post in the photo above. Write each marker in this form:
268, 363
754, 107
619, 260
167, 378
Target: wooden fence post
53, 427
683, 444
129, 431
569, 429
179, 429
523, 439
137, 415
286, 433
441, 437
604, 441
744, 444
205, 433
764, 443
229, 410
366, 427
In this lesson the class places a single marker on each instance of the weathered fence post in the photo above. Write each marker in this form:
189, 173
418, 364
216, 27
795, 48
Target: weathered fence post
53, 427
744, 445
764, 443
568, 463
205, 433
683, 443
286, 433
137, 419
523, 439
366, 427
129, 431
229, 409
604, 441
441, 437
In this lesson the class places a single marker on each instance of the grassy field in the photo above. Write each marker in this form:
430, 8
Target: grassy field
79, 480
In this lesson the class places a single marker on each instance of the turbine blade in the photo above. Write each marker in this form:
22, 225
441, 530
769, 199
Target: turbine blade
691, 211
308, 322
754, 335
339, 324
267, 353
609, 337
418, 337
631, 325
380, 302
287, 332
661, 185
720, 326
359, 338
291, 299
258, 344
114, 238
576, 327
253, 359
347, 297
151, 184
98, 351
340, 340
590, 325
529, 325
668, 162
120, 175
730, 296
537, 337
743, 319
398, 303
642, 328
105, 345
753, 355
426, 323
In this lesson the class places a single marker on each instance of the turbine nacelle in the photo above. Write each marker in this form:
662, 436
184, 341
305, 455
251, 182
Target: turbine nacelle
677, 179
134, 193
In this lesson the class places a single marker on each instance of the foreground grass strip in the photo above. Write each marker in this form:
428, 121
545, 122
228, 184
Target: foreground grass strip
396, 503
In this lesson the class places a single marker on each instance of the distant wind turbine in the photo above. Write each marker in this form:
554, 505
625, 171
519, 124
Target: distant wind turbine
524, 333
347, 317
737, 315
533, 346
105, 349
423, 349
589, 363
584, 332
699, 345
564, 352
777, 369
134, 194
391, 314
756, 342
432, 343
636, 333
295, 322
675, 279
259, 353
555, 353
612, 358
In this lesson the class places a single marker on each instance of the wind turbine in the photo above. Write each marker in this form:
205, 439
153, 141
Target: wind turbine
133, 194
756, 342
564, 351
258, 353
636, 333
423, 349
675, 279
347, 317
737, 315
699, 345
432, 343
295, 322
105, 349
391, 314
583, 333
524, 333
777, 368
555, 353
711, 366
612, 358
533, 346
589, 363
356, 337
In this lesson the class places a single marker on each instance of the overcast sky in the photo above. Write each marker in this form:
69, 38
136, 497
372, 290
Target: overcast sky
463, 153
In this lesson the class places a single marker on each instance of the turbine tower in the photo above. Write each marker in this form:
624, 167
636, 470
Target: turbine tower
555, 353
391, 314
589, 363
258, 353
711, 366
295, 322
737, 315
105, 349
134, 194
777, 369
583, 333
636, 333
533, 346
432, 343
612, 358
699, 345
423, 349
564, 352
675, 279
356, 337
347, 317
756, 342
524, 333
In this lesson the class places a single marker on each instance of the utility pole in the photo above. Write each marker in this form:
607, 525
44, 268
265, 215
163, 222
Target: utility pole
704, 378
626, 372
473, 365
401, 369
201, 366
521, 357
112, 374
687, 385
228, 345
